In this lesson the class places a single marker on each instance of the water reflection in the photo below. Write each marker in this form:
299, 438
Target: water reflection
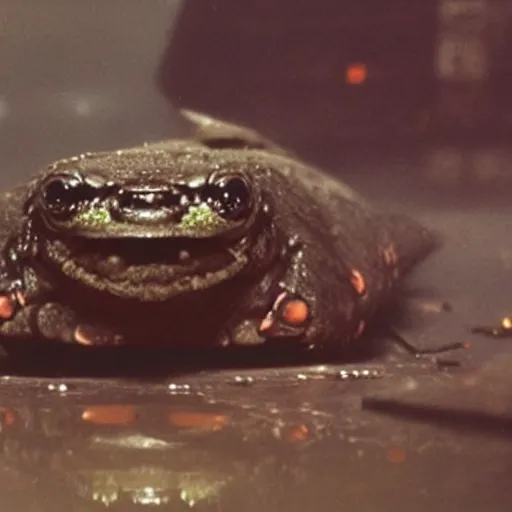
303, 437
181, 449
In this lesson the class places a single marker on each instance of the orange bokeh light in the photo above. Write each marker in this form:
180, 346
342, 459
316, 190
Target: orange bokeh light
356, 74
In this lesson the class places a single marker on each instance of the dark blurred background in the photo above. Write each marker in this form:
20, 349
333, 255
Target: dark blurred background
317, 74
327, 77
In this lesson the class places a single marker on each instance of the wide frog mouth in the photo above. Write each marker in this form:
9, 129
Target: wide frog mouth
147, 269
149, 235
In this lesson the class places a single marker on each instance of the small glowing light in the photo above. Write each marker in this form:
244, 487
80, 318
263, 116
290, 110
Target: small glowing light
356, 73
506, 323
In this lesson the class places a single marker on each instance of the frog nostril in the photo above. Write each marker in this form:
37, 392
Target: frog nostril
147, 200
138, 200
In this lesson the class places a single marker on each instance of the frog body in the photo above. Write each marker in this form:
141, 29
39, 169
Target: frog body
219, 239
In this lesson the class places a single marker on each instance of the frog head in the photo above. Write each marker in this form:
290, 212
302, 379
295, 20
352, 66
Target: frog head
150, 223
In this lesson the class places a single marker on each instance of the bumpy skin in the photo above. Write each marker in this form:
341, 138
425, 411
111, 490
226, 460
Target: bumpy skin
149, 246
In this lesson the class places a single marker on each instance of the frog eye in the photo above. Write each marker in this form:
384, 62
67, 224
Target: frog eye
61, 195
230, 197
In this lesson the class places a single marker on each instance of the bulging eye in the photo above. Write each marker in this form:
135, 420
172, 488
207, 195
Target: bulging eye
231, 197
62, 195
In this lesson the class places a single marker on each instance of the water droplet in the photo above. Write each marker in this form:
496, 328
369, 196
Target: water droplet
293, 241
241, 380
61, 388
179, 388
360, 374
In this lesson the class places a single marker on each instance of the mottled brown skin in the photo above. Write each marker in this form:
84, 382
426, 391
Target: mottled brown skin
115, 254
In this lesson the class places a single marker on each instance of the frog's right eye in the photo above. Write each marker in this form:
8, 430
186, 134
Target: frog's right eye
62, 195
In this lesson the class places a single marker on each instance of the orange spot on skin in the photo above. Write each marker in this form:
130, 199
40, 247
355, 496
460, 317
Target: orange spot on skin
110, 414
295, 312
198, 420
396, 455
298, 433
358, 282
6, 307
360, 329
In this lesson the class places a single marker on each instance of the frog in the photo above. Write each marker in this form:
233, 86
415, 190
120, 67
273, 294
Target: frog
218, 238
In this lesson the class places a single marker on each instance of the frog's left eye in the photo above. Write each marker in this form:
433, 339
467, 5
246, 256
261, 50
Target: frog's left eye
62, 195
230, 197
